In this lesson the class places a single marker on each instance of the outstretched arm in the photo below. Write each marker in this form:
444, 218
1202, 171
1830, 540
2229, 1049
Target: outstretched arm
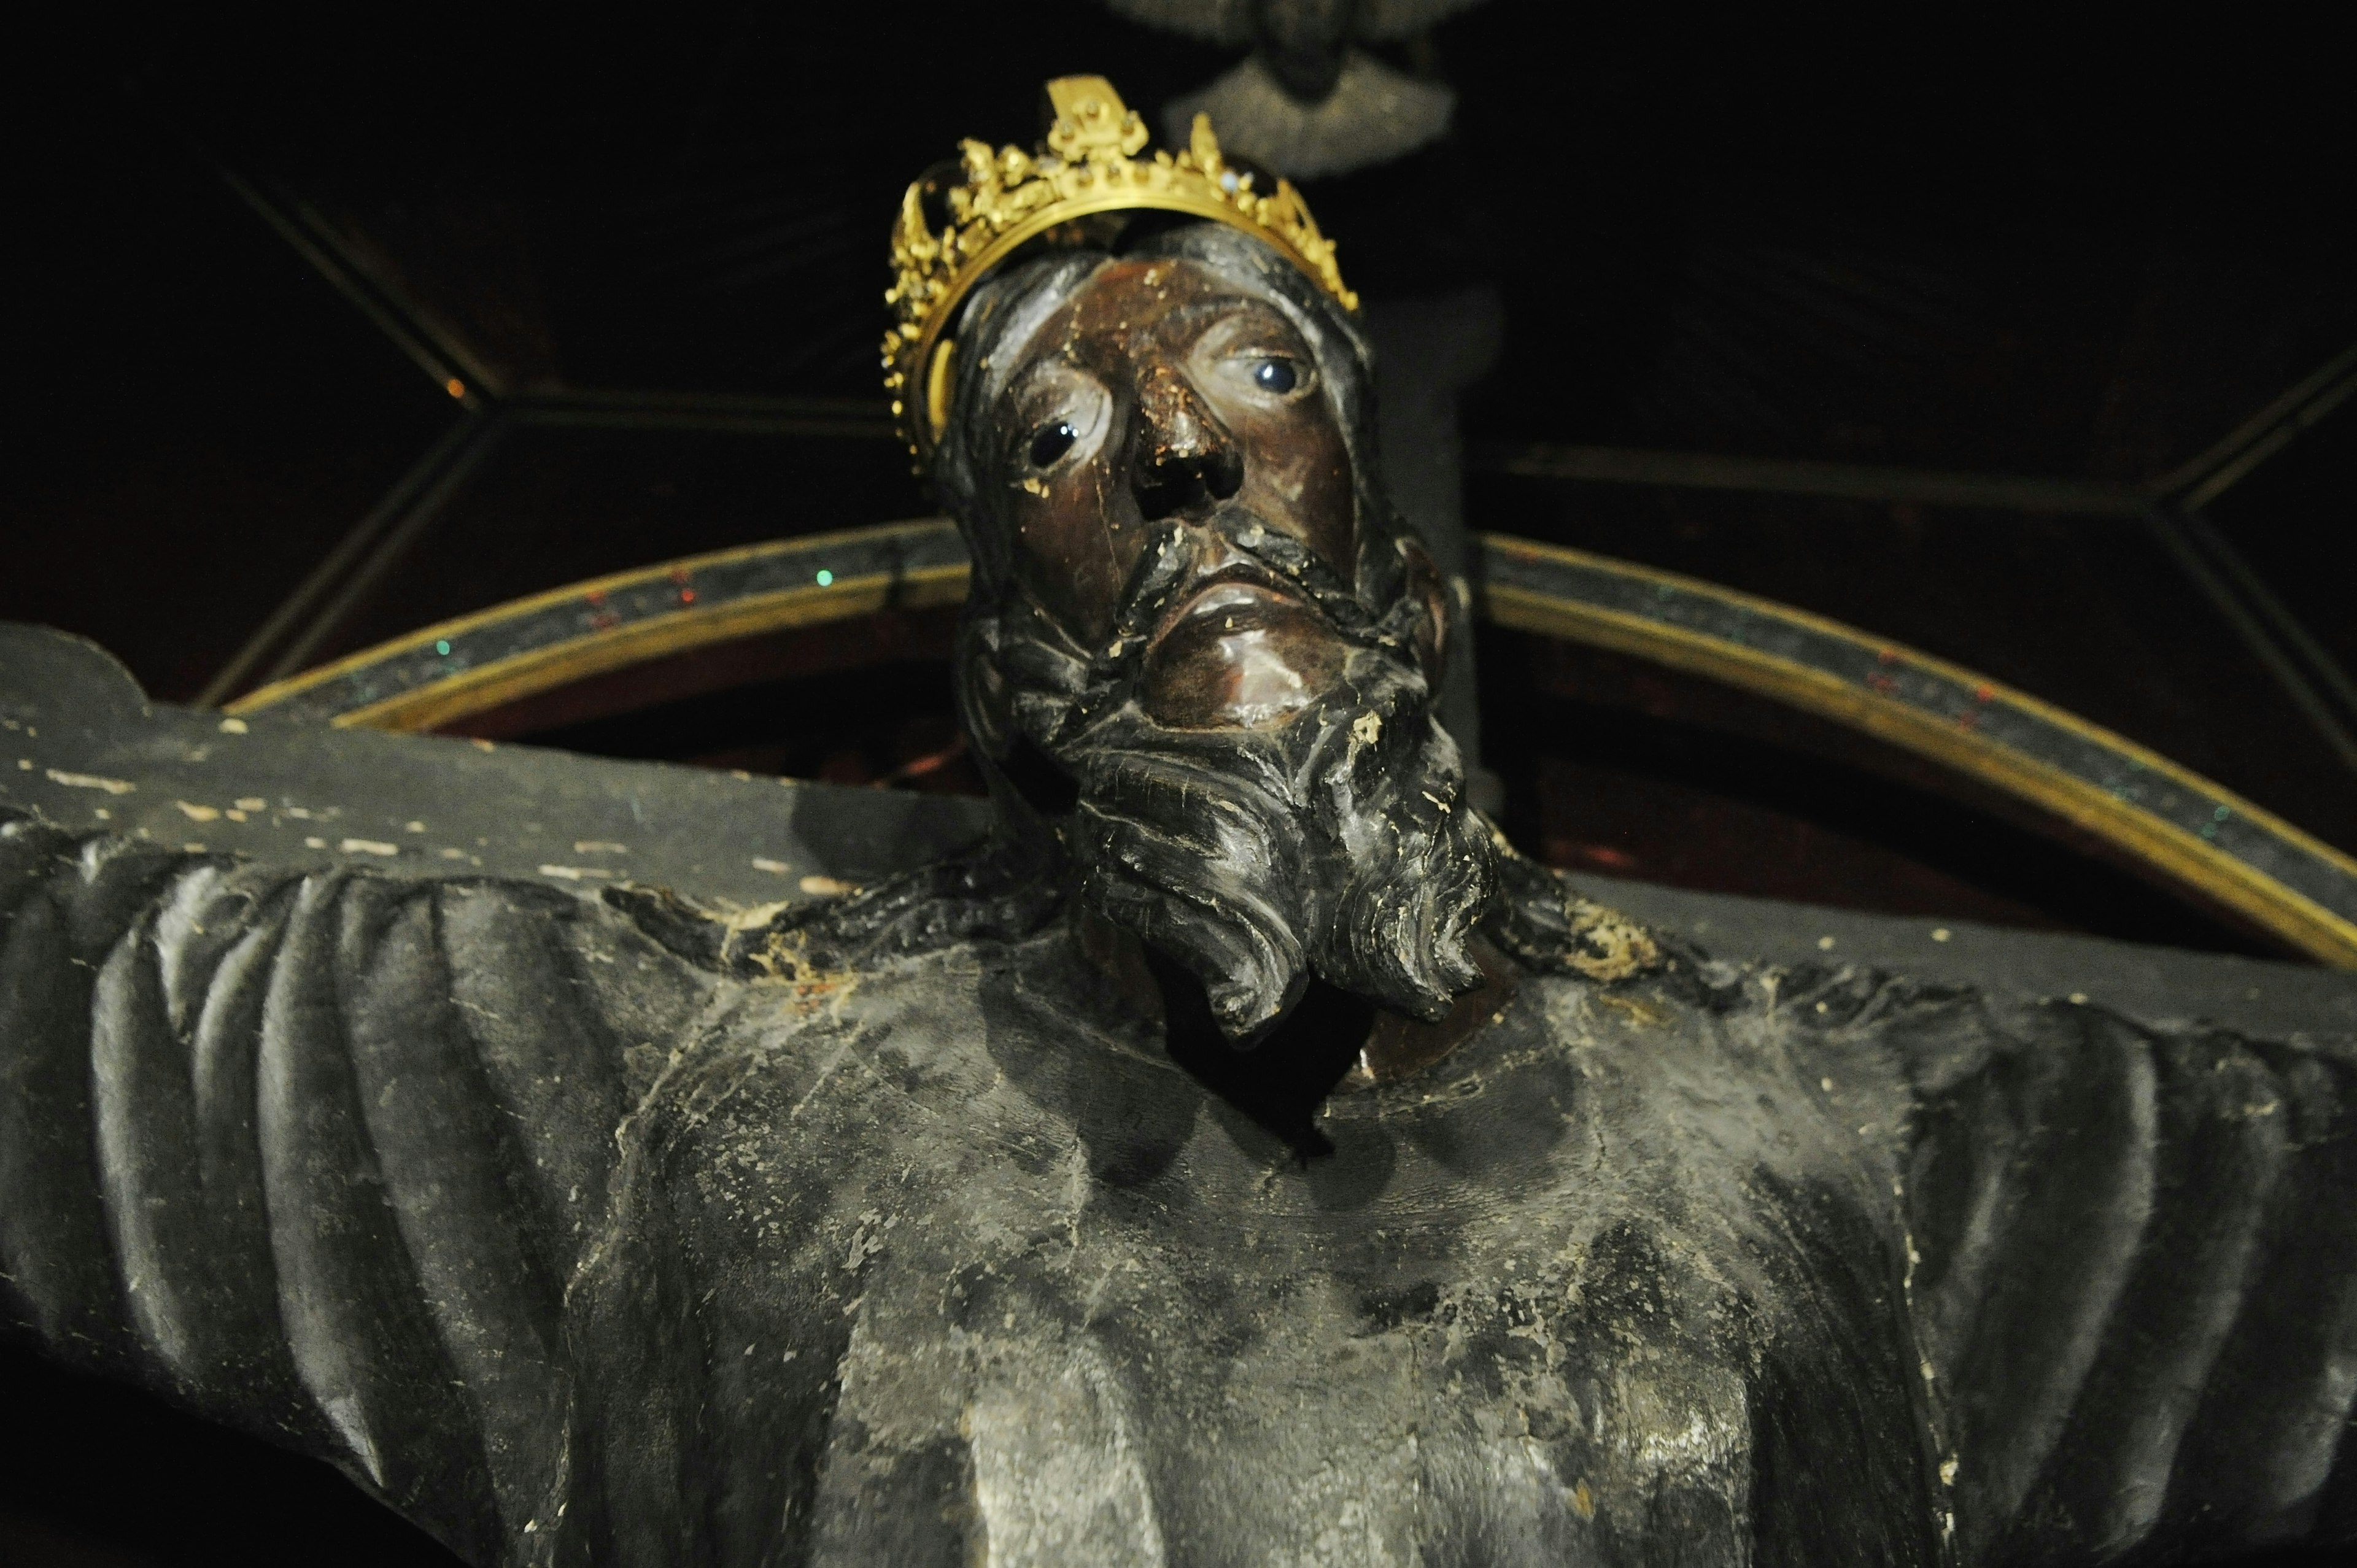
315, 1154
2135, 1269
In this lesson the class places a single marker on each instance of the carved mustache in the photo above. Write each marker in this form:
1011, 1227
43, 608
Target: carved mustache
1069, 689
1169, 573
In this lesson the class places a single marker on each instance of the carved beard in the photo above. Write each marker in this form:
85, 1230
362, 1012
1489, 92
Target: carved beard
1337, 842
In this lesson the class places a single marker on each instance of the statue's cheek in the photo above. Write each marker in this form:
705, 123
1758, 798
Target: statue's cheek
1297, 477
1072, 549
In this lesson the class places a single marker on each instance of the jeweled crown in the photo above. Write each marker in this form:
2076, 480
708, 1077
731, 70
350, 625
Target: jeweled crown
1085, 169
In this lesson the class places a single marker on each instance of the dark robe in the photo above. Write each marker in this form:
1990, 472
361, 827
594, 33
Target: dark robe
575, 1249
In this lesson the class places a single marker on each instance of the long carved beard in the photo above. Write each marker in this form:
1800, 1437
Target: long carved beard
1337, 843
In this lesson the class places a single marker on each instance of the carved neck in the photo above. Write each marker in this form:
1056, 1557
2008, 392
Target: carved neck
1392, 1049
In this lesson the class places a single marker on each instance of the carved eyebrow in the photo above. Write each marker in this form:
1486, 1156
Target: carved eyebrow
1039, 376
1024, 377
1045, 358
1221, 309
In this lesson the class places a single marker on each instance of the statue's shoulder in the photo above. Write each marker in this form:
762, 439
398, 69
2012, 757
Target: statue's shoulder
795, 993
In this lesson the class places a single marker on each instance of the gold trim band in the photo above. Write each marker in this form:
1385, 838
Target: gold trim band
576, 655
2183, 856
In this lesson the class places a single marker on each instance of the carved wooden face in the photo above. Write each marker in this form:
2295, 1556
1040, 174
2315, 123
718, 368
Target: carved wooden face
1161, 393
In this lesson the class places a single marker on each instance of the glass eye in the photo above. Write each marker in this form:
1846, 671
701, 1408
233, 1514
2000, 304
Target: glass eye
1276, 375
1051, 442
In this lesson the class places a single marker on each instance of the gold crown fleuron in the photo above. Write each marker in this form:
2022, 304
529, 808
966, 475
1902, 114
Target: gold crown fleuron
1085, 168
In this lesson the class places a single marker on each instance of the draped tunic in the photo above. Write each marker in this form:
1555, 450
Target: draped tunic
576, 1249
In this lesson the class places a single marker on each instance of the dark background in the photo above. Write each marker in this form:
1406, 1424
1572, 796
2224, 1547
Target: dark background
1949, 241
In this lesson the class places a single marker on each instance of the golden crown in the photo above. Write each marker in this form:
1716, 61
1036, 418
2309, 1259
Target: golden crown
1087, 168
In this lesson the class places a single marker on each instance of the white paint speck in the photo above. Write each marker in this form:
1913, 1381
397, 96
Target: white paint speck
90, 781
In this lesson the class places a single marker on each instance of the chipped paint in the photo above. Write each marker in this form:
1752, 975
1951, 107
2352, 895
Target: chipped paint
1636, 1009
90, 781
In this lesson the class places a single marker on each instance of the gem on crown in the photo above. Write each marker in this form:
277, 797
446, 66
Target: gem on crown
1075, 187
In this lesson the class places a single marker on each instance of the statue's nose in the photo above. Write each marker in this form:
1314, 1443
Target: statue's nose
1184, 463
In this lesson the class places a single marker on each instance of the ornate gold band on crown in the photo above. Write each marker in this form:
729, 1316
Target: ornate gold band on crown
1085, 167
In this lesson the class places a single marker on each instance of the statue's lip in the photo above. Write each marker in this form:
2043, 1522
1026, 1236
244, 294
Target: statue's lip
1225, 593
